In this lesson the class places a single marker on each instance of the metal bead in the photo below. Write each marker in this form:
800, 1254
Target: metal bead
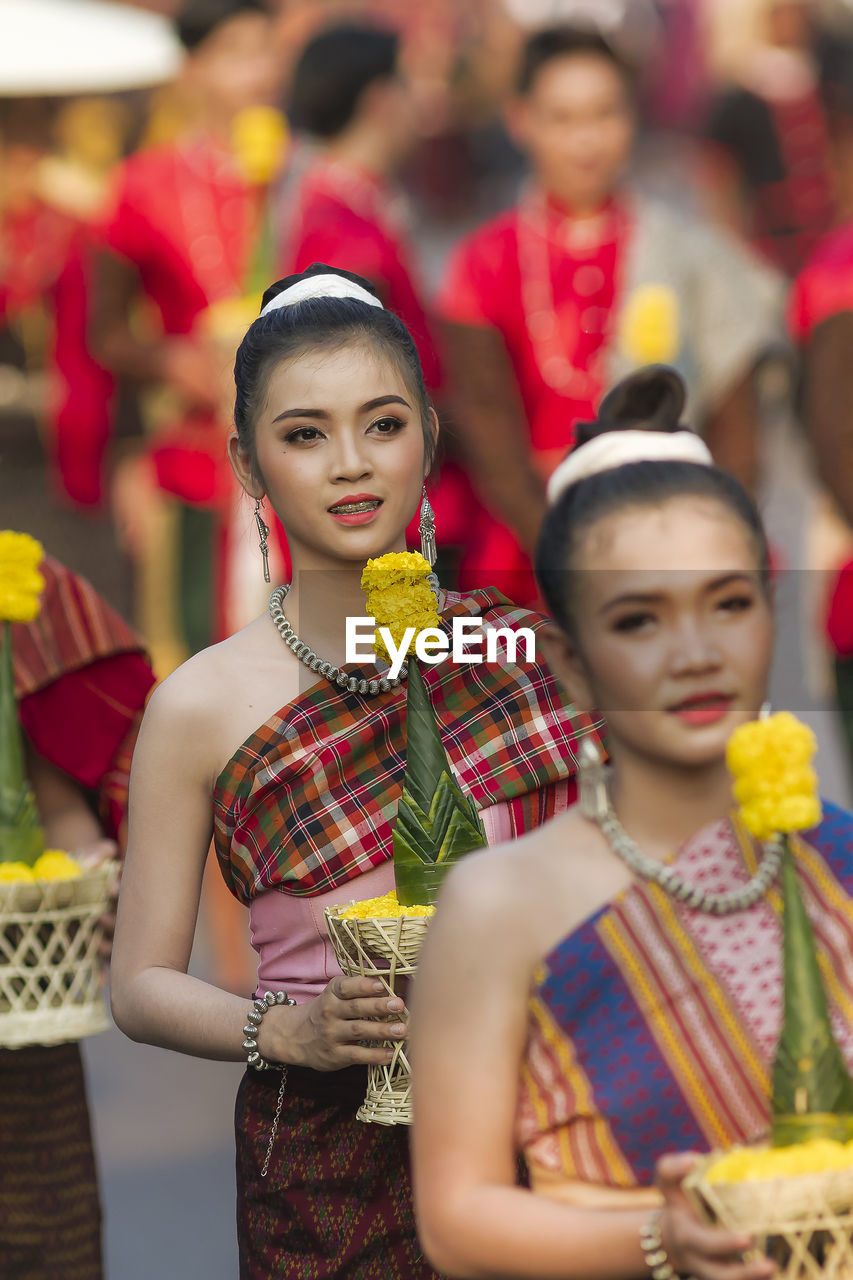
250, 1045
324, 669
280, 997
254, 1014
362, 686
254, 1058
250, 1029
269, 997
260, 1005
384, 685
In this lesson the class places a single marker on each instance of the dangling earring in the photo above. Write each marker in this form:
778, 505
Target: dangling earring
592, 780
765, 710
426, 527
263, 534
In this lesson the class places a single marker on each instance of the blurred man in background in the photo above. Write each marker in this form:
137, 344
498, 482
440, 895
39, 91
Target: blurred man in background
550, 303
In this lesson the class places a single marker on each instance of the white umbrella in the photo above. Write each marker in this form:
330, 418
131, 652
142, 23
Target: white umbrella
58, 47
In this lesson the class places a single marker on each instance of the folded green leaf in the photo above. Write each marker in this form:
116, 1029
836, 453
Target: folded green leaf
436, 822
810, 1076
21, 835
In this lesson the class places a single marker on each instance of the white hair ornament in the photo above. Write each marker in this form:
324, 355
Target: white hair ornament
326, 286
619, 448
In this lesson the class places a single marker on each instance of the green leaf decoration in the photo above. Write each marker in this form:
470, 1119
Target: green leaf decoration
437, 823
812, 1088
21, 835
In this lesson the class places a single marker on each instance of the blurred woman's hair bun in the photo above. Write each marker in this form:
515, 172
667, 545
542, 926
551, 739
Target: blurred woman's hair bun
651, 399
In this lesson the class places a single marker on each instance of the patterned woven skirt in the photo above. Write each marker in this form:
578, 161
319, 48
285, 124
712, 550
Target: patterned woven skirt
337, 1199
50, 1216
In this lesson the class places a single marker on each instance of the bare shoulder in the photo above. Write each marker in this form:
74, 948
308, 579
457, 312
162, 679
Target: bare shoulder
197, 704
524, 895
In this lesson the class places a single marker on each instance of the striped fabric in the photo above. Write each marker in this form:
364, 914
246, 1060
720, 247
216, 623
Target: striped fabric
653, 1027
308, 801
74, 627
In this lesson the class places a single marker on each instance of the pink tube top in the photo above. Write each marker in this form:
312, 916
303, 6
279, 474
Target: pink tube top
289, 932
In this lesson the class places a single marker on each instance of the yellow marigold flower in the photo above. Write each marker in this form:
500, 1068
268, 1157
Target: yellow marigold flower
399, 596
21, 584
761, 1164
385, 908
230, 317
55, 864
15, 871
258, 140
650, 325
775, 785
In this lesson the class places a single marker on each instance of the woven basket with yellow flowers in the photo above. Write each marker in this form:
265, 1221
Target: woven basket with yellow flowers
793, 1193
51, 986
436, 825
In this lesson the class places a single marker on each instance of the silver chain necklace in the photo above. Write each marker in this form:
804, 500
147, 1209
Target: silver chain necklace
316, 664
715, 904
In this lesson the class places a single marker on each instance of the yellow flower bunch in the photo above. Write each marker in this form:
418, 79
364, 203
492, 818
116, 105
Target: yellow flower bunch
229, 318
650, 325
258, 141
21, 584
761, 1164
399, 596
775, 785
53, 864
385, 908
14, 872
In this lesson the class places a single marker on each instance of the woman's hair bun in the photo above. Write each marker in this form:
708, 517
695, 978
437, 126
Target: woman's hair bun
316, 269
651, 399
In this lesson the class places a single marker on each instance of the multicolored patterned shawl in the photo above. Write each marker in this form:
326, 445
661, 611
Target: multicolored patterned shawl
653, 1027
308, 801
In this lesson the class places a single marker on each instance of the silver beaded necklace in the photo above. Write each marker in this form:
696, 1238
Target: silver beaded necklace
715, 904
316, 664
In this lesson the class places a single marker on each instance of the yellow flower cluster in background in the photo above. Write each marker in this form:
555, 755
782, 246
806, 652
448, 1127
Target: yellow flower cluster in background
399, 596
761, 1164
54, 864
775, 785
21, 584
650, 325
385, 908
258, 141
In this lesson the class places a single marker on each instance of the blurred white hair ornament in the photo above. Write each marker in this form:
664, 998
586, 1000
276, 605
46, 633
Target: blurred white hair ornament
325, 286
619, 448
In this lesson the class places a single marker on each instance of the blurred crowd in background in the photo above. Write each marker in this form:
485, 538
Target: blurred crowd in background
470, 158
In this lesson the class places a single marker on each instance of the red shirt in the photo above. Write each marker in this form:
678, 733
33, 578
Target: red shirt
44, 257
344, 216
552, 300
824, 286
185, 218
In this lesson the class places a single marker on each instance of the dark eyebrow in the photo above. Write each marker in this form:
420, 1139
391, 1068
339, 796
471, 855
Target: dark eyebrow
378, 403
655, 597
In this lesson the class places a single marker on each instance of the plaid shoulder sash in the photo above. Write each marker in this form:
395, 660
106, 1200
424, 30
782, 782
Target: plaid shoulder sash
308, 801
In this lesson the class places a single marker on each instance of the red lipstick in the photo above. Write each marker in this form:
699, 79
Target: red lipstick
703, 708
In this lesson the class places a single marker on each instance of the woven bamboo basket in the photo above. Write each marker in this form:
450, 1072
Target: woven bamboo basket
804, 1223
51, 986
387, 950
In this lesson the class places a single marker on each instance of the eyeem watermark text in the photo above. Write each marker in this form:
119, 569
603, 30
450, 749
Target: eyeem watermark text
469, 642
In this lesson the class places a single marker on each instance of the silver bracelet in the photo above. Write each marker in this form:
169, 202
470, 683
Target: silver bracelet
259, 1007
657, 1258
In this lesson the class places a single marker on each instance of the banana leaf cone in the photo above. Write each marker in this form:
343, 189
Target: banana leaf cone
21, 835
812, 1088
437, 823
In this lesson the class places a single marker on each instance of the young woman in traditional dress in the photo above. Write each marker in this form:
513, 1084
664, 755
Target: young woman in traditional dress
296, 768
581, 1013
